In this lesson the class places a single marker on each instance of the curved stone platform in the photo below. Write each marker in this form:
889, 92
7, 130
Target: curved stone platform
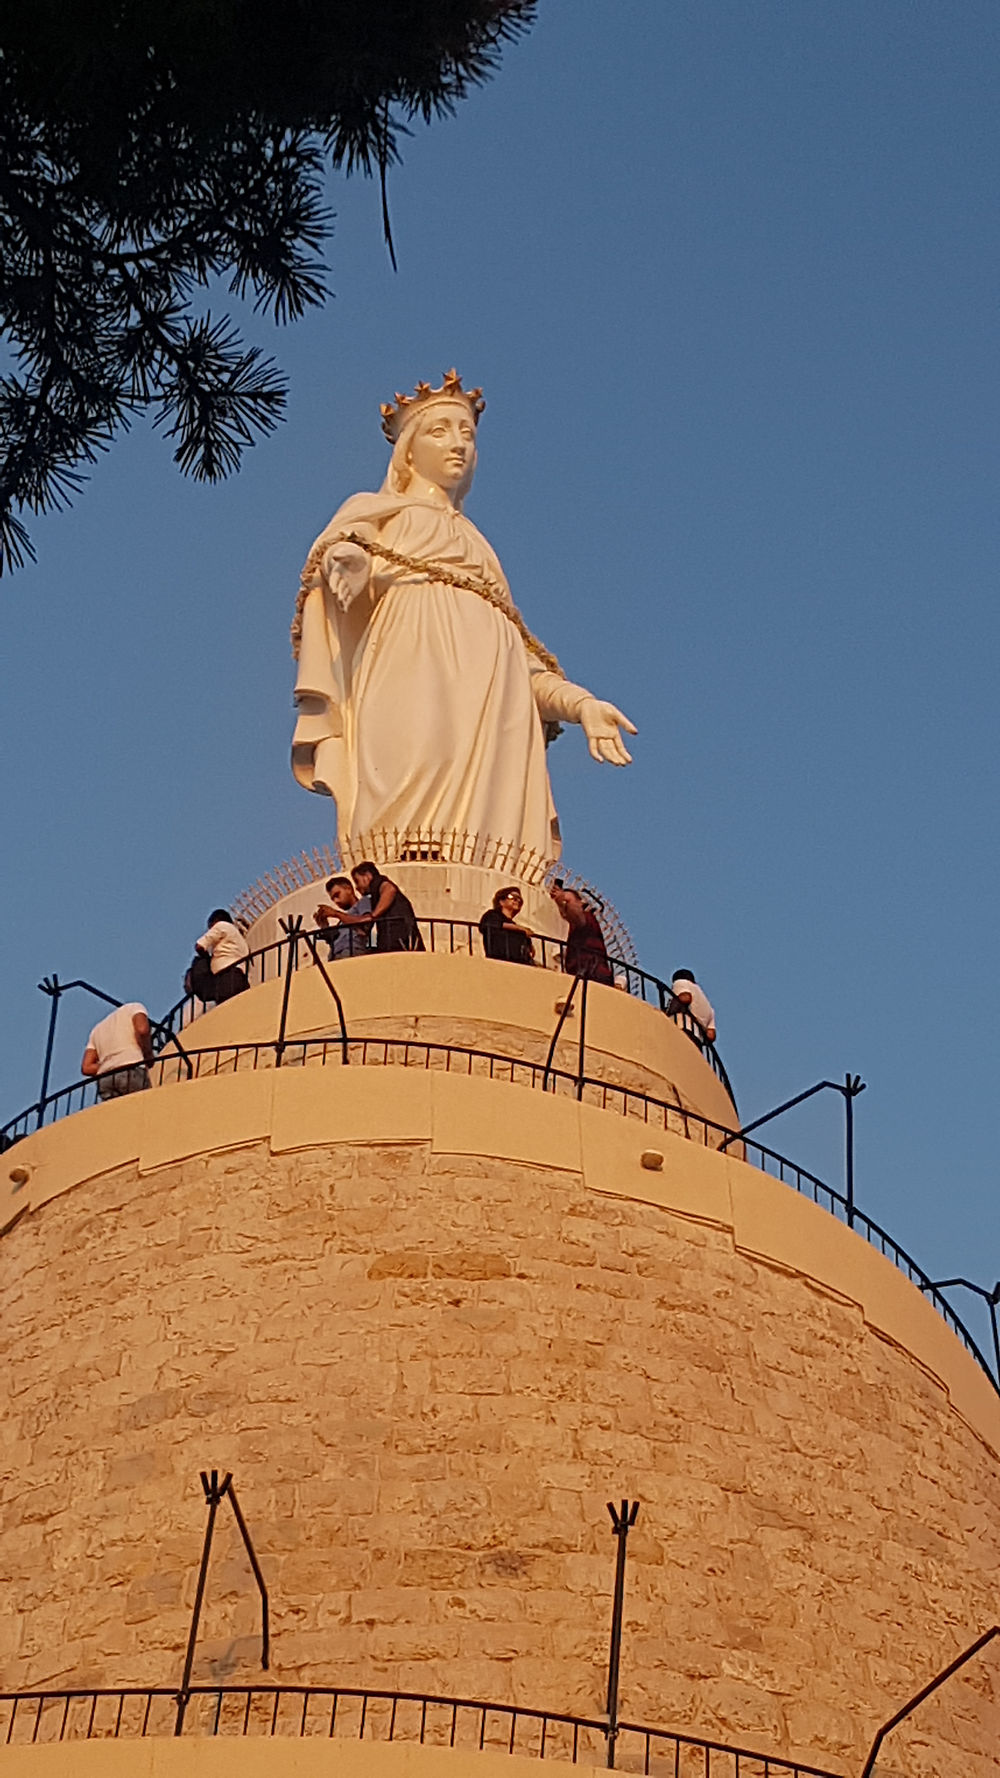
477, 1003
432, 1324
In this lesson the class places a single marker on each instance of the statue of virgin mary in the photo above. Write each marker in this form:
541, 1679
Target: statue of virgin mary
423, 699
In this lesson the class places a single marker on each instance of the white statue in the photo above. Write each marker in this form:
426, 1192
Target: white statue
423, 699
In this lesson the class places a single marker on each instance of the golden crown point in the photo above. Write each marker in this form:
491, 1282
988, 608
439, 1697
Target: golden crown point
395, 414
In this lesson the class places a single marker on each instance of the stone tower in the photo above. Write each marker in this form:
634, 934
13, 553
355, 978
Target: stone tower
434, 1291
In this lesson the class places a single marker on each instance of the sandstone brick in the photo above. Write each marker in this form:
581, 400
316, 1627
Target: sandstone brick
148, 1595
470, 1264
429, 1373
400, 1265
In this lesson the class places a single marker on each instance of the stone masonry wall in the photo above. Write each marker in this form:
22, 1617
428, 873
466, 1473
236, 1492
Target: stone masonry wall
428, 1375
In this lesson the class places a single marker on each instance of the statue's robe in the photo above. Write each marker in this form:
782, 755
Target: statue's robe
421, 707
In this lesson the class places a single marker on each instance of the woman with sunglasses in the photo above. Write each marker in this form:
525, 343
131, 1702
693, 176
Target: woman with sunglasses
503, 938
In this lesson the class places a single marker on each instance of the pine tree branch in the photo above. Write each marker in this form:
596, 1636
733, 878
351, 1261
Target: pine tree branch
150, 146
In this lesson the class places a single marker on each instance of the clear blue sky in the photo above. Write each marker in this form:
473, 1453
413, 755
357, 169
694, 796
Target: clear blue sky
728, 273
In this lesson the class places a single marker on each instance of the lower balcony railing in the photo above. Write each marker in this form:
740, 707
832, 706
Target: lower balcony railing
348, 1713
658, 1114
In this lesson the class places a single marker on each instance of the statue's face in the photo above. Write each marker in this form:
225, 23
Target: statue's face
443, 447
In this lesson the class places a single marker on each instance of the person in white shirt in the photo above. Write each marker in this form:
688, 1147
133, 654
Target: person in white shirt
228, 949
119, 1051
688, 997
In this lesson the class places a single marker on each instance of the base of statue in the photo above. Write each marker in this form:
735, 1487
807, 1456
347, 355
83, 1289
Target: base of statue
451, 879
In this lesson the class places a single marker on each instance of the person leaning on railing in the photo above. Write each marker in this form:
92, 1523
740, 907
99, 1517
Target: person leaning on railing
586, 952
687, 997
228, 949
503, 938
119, 1051
344, 939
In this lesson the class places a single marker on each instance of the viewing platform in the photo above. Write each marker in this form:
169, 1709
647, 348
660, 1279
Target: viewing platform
437, 1253
449, 1010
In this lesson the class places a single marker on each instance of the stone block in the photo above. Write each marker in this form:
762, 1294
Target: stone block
514, 1123
344, 1105
195, 1117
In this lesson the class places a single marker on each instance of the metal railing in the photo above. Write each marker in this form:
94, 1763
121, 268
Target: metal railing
655, 1113
458, 938
387, 846
353, 1713
406, 1052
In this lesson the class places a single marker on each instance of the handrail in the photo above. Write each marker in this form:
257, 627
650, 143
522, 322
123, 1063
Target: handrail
331, 990
564, 1011
270, 961
55, 989
925, 1692
609, 1096
215, 1493
364, 1713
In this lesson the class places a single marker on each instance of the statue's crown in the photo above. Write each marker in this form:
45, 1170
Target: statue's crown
395, 414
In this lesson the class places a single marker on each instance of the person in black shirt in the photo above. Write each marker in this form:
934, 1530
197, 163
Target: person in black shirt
502, 937
391, 914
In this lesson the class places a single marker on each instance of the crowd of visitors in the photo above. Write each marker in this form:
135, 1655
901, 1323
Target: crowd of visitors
373, 901
368, 912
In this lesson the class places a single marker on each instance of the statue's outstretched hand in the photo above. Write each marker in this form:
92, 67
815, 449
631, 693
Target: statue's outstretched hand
346, 568
602, 723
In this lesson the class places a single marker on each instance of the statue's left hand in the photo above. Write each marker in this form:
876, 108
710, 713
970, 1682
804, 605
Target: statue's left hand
602, 723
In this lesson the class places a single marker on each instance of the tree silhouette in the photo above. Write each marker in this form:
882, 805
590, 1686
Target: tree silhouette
149, 147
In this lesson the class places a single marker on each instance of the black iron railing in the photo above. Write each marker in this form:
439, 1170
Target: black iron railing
350, 1713
658, 1114
428, 846
459, 938
303, 947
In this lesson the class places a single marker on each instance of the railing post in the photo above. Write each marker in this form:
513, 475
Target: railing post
621, 1523
213, 1495
992, 1300
582, 1053
849, 1150
853, 1085
265, 1607
560, 1022
317, 959
925, 1692
48, 985
990, 1297
292, 927
170, 1036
